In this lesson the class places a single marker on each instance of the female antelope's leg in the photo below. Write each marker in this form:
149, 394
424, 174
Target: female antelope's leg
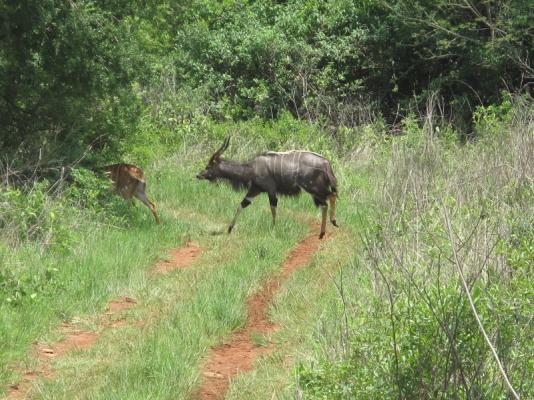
273, 201
141, 195
333, 198
154, 211
252, 192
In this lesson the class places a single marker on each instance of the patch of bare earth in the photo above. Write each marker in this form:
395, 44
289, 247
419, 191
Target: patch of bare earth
179, 258
78, 340
74, 340
112, 317
238, 355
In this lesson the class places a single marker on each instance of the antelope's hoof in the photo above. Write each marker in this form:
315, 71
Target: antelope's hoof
230, 229
321, 235
335, 223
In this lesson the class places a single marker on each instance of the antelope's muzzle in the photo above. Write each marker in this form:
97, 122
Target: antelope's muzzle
204, 175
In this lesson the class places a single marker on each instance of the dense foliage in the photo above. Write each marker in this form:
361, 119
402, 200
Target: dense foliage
74, 73
328, 59
66, 77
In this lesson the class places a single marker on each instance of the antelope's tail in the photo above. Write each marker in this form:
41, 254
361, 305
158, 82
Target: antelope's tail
331, 178
98, 169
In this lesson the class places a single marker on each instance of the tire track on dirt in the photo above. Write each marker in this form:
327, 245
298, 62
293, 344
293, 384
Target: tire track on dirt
78, 340
238, 355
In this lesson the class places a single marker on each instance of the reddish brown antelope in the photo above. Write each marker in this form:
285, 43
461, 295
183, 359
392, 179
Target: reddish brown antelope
129, 181
274, 173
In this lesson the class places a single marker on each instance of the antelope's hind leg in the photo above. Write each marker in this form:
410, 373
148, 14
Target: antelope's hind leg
154, 211
324, 210
333, 198
141, 195
322, 204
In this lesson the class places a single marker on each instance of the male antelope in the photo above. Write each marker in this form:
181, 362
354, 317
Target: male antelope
278, 173
129, 181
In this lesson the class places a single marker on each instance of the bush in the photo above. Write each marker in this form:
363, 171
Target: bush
33, 217
66, 70
416, 337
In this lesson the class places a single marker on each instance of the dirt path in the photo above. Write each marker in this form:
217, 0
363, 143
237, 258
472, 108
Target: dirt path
77, 340
226, 361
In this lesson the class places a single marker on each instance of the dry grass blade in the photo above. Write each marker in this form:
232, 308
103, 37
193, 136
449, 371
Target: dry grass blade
472, 304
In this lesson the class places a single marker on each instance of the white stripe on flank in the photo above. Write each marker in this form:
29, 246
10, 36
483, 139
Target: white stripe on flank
281, 153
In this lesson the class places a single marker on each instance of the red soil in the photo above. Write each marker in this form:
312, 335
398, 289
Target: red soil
227, 360
79, 340
116, 306
181, 257
18, 391
74, 340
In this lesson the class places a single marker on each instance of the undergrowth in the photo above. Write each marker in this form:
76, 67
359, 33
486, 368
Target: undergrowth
441, 207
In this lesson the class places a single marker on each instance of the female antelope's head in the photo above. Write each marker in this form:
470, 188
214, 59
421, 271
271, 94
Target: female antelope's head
212, 170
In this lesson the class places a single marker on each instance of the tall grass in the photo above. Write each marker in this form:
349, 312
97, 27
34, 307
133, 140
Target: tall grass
45, 290
440, 206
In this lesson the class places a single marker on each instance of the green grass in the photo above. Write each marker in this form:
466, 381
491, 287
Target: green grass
106, 264
187, 311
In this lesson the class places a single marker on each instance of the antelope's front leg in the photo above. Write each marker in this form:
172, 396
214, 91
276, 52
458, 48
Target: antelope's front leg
244, 203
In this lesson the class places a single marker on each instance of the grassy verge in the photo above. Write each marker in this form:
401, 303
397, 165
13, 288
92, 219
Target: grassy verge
439, 207
105, 263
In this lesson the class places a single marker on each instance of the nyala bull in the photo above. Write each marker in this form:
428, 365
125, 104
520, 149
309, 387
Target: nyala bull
274, 173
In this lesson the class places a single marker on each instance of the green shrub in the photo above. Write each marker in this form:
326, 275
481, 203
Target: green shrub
33, 216
20, 286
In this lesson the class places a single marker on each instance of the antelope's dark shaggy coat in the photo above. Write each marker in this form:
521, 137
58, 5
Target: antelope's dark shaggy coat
284, 173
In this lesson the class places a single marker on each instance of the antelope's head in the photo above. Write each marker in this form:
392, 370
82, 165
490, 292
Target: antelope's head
212, 170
